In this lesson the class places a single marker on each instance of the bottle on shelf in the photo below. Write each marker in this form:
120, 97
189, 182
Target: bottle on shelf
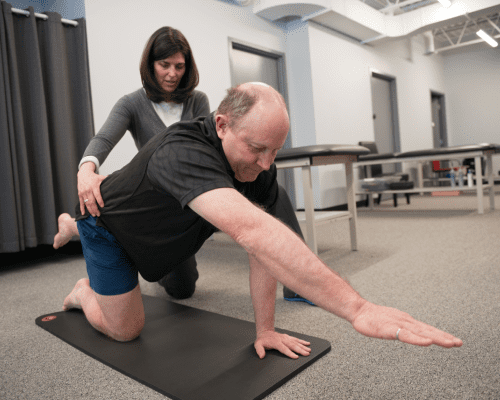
470, 182
460, 177
452, 177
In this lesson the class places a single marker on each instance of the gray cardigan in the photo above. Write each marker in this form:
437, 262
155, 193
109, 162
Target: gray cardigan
135, 113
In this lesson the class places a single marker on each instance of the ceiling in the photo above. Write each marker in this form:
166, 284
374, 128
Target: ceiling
447, 35
373, 22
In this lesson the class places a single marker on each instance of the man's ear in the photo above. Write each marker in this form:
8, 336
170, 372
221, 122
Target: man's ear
221, 125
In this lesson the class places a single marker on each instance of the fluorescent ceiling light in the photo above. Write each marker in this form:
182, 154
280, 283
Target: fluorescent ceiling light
445, 3
487, 38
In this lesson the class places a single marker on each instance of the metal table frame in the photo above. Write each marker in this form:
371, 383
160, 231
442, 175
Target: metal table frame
478, 156
312, 218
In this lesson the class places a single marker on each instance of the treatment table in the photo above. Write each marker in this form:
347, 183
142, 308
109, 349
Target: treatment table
476, 151
309, 156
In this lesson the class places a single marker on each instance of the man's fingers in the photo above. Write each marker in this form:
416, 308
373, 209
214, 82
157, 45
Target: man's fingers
261, 352
406, 336
302, 350
288, 345
437, 336
282, 348
299, 346
428, 337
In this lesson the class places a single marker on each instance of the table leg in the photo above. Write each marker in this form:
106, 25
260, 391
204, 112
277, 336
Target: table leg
351, 203
309, 208
479, 184
491, 182
370, 196
420, 176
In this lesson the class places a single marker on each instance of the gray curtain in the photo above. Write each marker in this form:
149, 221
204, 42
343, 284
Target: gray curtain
45, 124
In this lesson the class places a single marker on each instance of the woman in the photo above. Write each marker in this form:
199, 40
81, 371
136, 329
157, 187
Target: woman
169, 76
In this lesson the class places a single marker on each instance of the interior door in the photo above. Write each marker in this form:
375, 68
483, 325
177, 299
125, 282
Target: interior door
383, 119
251, 64
440, 138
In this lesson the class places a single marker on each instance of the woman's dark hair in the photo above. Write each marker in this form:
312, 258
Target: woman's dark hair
166, 42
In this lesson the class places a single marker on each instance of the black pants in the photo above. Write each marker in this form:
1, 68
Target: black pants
181, 282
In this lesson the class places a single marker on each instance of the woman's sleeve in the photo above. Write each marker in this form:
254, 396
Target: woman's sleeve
117, 123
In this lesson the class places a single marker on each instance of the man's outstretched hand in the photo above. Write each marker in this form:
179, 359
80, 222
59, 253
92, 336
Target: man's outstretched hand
288, 345
384, 322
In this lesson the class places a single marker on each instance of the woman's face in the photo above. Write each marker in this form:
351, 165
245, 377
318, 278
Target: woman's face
169, 71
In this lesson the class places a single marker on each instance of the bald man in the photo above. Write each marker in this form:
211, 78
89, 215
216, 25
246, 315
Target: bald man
216, 172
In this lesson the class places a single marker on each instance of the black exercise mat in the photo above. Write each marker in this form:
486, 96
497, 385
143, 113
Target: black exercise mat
186, 353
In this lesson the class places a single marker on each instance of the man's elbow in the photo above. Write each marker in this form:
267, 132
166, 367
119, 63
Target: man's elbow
247, 237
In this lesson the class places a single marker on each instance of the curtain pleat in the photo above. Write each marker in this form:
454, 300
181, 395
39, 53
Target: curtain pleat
45, 121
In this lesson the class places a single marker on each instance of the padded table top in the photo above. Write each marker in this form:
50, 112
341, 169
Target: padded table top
377, 156
432, 152
449, 150
296, 153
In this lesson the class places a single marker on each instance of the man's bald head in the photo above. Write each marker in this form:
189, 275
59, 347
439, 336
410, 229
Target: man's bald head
253, 98
252, 124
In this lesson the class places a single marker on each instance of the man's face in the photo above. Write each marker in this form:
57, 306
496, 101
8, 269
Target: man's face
251, 147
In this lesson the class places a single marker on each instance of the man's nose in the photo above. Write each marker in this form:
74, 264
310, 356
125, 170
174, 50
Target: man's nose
265, 160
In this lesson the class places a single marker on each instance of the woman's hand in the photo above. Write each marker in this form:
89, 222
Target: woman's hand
89, 191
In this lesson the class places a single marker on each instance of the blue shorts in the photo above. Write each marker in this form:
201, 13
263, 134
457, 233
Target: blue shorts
111, 271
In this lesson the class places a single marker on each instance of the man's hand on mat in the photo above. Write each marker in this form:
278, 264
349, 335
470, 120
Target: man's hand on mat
288, 345
389, 323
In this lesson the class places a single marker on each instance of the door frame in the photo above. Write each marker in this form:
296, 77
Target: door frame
237, 44
442, 118
396, 138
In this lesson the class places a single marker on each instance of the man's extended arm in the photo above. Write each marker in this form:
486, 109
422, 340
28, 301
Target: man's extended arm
263, 292
289, 260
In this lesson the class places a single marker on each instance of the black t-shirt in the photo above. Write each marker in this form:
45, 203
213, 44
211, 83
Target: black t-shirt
146, 201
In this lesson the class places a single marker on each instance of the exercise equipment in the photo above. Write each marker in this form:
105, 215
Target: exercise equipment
187, 353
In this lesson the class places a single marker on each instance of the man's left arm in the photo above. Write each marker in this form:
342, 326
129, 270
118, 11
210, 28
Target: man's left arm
263, 292
288, 259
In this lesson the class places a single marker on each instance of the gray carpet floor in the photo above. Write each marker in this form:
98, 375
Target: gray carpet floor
437, 259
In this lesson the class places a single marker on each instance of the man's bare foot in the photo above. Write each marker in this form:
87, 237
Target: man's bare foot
67, 229
73, 300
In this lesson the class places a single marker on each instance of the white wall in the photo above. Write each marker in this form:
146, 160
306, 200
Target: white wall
341, 70
472, 102
119, 29
328, 77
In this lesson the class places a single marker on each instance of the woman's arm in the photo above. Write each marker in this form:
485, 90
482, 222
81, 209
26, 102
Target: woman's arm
115, 126
113, 129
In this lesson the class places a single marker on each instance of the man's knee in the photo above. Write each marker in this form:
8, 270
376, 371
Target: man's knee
127, 331
181, 282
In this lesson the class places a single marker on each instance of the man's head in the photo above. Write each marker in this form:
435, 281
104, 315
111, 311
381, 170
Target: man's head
252, 123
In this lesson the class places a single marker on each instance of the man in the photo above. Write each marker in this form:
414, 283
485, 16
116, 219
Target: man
216, 173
